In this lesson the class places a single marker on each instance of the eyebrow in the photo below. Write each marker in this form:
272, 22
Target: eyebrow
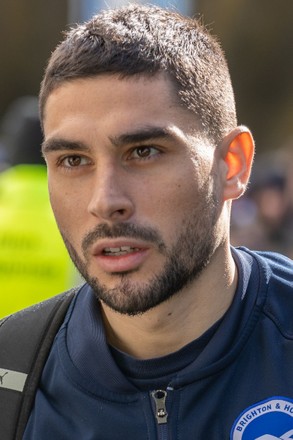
140, 135
63, 144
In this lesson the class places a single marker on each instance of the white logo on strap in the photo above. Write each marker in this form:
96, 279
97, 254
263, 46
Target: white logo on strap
12, 380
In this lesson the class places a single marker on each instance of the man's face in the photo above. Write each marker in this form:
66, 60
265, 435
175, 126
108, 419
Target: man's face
136, 193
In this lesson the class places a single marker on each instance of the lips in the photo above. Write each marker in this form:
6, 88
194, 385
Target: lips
119, 256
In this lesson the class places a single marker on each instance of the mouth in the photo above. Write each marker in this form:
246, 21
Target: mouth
118, 251
117, 247
120, 255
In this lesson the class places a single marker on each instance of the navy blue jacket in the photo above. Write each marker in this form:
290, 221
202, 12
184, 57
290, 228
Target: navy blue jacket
240, 386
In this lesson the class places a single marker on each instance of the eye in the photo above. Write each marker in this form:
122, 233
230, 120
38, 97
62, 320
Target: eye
144, 152
73, 161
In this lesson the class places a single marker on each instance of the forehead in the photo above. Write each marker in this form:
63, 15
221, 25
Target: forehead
108, 98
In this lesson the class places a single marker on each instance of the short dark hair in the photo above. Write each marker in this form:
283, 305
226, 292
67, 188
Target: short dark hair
147, 40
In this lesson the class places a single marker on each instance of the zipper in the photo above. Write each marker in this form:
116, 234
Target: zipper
161, 414
159, 404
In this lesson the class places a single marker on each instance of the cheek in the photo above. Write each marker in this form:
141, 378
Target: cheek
67, 208
169, 203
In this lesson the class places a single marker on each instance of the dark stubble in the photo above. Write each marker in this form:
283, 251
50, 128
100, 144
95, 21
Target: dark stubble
185, 260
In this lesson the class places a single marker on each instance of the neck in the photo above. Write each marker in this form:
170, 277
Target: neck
178, 321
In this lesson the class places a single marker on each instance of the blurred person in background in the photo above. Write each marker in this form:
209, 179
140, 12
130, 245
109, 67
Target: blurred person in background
263, 218
33, 259
175, 334
288, 161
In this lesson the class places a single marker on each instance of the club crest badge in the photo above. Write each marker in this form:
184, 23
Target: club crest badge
271, 419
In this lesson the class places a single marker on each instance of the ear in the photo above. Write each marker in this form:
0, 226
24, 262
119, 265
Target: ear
238, 152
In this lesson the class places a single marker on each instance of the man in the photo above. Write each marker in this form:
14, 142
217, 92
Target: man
175, 334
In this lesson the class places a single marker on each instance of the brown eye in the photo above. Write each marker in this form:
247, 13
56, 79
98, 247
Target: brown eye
73, 161
143, 151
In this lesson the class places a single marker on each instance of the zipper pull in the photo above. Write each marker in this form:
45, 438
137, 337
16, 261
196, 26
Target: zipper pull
159, 397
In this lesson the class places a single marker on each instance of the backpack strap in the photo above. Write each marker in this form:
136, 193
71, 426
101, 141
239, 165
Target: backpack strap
26, 338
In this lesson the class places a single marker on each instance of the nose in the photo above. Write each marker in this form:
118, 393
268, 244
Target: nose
110, 199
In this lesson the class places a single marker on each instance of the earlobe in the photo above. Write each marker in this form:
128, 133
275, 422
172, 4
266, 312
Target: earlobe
239, 152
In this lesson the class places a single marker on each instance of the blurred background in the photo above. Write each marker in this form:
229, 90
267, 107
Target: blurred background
257, 38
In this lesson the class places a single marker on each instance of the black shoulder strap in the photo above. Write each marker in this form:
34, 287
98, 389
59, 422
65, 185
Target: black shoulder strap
25, 341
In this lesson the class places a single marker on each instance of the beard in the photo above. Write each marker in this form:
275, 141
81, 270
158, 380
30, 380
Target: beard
184, 260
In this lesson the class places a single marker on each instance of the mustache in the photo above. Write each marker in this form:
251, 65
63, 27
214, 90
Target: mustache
125, 230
